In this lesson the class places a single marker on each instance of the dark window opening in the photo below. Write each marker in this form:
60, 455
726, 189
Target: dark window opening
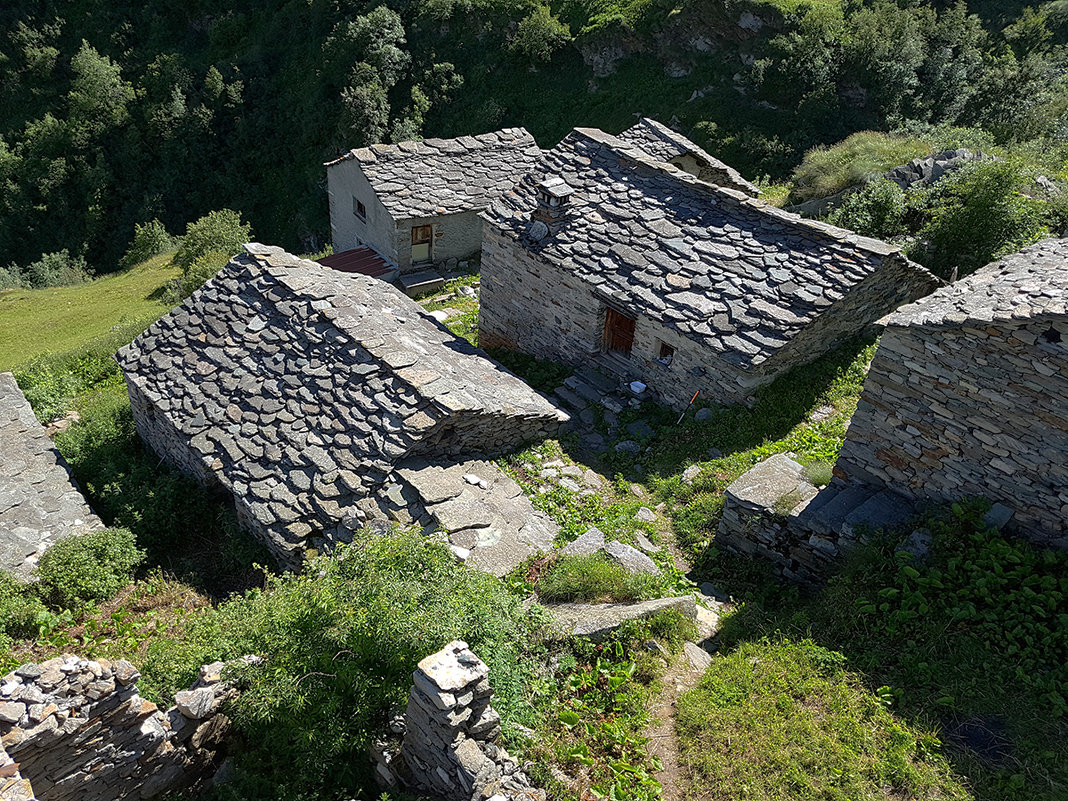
618, 332
1052, 335
667, 354
359, 209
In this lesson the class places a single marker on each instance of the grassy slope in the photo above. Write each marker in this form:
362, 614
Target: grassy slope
38, 321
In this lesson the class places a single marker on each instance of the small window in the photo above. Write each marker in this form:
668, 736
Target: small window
667, 354
359, 209
1053, 336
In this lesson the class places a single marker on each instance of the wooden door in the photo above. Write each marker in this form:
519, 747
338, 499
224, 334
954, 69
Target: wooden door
422, 236
618, 332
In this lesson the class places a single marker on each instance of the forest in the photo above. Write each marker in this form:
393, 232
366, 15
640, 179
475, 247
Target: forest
113, 115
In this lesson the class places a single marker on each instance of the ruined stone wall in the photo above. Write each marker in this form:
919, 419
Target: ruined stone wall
345, 180
449, 748
78, 729
456, 236
963, 410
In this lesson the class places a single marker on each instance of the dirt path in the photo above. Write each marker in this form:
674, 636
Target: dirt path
663, 743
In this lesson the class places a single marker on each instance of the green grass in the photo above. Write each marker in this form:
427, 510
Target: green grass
594, 579
786, 720
856, 160
38, 321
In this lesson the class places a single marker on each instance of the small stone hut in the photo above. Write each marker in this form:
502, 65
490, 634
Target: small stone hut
663, 144
417, 203
608, 256
297, 389
39, 502
967, 395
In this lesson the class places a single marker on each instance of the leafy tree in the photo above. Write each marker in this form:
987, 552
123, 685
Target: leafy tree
99, 97
218, 232
539, 35
877, 210
149, 240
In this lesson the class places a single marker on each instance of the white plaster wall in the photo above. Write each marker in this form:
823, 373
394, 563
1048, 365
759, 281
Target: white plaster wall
345, 180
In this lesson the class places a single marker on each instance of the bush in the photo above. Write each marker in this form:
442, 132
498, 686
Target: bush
88, 568
55, 269
202, 270
218, 232
877, 210
150, 239
19, 608
977, 215
341, 640
594, 578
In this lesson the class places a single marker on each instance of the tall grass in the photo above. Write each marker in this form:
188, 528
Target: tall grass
853, 161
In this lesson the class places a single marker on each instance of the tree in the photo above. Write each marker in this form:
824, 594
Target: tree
539, 35
219, 232
99, 96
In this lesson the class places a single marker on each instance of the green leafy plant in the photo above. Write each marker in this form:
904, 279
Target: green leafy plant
88, 568
218, 232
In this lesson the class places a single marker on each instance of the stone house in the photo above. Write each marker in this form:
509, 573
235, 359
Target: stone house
417, 203
967, 395
663, 144
607, 256
297, 389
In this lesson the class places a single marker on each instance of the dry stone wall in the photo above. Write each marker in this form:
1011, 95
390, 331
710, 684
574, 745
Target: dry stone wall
39, 502
74, 728
449, 736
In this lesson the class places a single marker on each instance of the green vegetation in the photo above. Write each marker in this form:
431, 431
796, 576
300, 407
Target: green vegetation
87, 569
854, 161
782, 719
38, 321
594, 579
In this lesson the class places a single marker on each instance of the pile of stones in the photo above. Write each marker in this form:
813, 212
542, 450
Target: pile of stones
449, 736
933, 168
78, 728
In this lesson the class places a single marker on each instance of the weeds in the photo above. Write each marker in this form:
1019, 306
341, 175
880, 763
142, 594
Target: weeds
594, 579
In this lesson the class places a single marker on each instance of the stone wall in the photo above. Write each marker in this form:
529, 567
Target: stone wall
449, 736
456, 237
39, 502
345, 181
78, 729
969, 410
530, 305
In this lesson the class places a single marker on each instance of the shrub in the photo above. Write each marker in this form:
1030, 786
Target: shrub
977, 214
219, 232
594, 578
150, 239
876, 210
19, 608
55, 269
200, 272
88, 568
341, 640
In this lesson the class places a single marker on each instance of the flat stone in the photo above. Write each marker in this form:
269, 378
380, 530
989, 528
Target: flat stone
585, 544
697, 656
630, 558
645, 515
453, 668
195, 704
596, 621
645, 544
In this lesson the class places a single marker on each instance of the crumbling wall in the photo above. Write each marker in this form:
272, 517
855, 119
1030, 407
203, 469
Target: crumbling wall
449, 749
77, 728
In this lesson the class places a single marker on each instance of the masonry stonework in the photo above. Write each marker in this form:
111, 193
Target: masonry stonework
74, 728
966, 395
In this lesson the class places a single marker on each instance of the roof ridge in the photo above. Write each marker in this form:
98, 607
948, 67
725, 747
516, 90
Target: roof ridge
842, 235
489, 140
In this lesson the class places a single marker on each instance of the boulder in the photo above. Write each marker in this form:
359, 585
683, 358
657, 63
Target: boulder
596, 621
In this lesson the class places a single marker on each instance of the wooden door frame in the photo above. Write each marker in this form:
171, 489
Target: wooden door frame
620, 329
429, 242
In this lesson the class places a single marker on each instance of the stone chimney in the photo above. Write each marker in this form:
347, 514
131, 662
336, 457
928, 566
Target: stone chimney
554, 196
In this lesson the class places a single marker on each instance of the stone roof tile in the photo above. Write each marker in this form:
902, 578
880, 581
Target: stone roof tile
711, 257
446, 176
1029, 284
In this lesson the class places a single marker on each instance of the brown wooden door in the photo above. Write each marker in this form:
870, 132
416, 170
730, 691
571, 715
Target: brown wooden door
422, 236
618, 332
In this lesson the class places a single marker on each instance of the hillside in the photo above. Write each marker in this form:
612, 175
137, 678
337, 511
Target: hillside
111, 117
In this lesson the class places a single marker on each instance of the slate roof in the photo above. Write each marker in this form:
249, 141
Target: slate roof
726, 270
299, 386
664, 144
1030, 284
39, 502
446, 176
